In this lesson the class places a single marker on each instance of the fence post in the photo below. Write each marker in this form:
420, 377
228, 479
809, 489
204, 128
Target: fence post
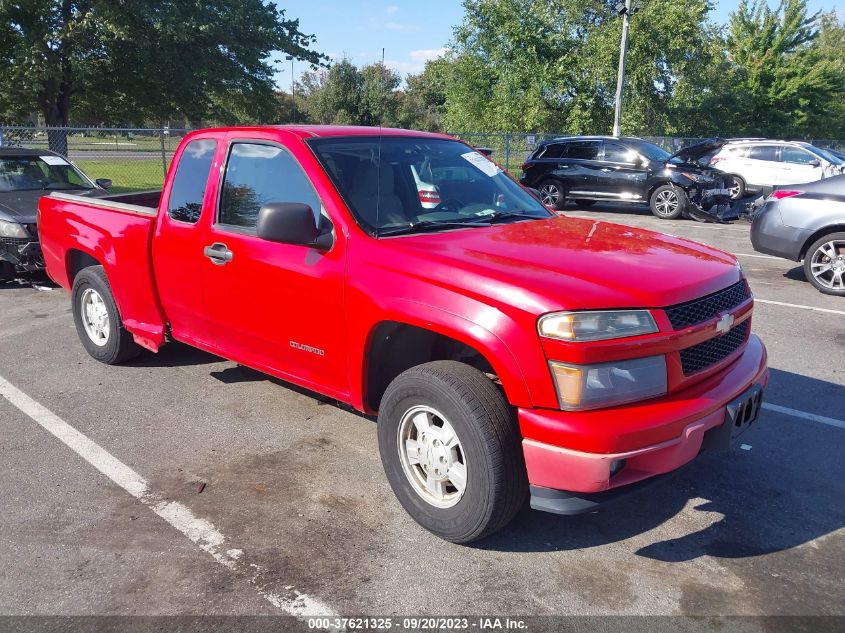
163, 154
508, 152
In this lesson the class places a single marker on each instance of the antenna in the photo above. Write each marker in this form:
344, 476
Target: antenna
380, 115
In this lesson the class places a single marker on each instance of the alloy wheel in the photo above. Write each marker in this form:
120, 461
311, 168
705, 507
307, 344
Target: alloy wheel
550, 194
432, 456
828, 264
667, 202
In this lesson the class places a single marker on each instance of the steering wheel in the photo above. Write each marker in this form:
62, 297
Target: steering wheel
451, 204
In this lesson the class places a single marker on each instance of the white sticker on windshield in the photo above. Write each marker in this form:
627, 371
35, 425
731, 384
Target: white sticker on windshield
479, 160
54, 160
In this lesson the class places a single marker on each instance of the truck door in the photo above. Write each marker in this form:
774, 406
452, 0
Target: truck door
580, 168
177, 252
276, 307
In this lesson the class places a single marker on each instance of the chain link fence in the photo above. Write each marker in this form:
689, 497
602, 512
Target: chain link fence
134, 159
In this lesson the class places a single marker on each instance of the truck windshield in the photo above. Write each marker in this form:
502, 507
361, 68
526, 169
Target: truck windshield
401, 183
29, 173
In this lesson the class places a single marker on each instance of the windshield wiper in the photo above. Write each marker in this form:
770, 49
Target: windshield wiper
426, 225
509, 215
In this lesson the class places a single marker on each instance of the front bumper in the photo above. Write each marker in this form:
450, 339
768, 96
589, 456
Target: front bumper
653, 437
24, 254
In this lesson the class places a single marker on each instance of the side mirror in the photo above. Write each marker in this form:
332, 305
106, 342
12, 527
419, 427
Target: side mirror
289, 223
103, 183
815, 163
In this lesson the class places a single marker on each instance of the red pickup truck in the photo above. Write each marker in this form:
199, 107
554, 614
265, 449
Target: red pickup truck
507, 351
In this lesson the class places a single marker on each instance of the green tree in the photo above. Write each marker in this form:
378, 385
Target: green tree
151, 60
423, 102
784, 79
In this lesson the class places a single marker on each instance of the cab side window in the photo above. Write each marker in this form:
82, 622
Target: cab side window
190, 180
257, 174
616, 153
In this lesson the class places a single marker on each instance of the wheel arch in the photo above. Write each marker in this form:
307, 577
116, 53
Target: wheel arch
831, 228
394, 345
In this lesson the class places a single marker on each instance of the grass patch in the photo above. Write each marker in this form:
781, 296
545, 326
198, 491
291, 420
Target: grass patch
127, 174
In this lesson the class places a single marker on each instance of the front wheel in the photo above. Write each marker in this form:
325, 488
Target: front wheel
451, 450
97, 320
668, 202
736, 187
824, 264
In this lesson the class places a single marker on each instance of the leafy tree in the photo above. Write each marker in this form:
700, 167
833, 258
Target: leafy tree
157, 60
423, 103
782, 79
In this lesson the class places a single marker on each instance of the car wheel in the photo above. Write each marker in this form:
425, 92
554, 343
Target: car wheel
668, 202
7, 272
736, 185
97, 320
451, 450
552, 194
584, 203
824, 264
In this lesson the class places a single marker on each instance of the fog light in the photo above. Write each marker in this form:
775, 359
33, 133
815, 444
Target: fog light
616, 465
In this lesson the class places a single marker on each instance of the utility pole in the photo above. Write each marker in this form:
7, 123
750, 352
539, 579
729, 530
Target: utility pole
292, 91
624, 9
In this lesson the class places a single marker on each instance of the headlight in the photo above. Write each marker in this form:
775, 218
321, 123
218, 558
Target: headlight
12, 229
596, 326
582, 387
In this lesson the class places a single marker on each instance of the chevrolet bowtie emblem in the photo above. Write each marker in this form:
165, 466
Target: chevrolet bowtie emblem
724, 324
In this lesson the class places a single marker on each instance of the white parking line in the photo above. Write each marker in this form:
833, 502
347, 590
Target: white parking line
798, 305
840, 424
755, 255
198, 530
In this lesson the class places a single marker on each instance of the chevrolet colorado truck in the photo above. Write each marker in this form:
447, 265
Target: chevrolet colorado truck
507, 351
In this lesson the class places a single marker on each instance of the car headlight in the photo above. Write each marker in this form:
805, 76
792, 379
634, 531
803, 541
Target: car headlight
581, 387
596, 326
12, 229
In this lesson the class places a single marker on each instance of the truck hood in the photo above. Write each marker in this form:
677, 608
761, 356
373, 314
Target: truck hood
566, 263
21, 206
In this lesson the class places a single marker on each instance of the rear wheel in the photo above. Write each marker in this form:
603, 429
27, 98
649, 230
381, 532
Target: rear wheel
668, 202
552, 194
736, 185
451, 450
824, 264
97, 320
584, 203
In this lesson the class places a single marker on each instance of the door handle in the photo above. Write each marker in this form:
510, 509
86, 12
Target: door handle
218, 253
605, 169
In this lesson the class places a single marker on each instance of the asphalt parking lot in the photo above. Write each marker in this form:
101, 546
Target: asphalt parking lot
255, 497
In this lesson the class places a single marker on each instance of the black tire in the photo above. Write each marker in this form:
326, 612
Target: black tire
584, 203
7, 272
737, 186
552, 193
665, 194
496, 481
814, 255
119, 346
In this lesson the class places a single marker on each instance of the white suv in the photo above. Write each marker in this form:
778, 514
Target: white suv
755, 164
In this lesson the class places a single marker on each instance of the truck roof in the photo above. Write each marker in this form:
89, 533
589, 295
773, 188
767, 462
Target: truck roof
311, 131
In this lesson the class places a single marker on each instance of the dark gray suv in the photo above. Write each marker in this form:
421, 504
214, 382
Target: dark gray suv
807, 222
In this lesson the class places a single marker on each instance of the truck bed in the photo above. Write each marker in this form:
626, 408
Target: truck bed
116, 232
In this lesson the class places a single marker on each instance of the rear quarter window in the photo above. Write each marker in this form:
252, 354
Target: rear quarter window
190, 180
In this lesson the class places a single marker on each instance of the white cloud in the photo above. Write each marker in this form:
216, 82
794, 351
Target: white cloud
427, 54
398, 26
391, 9
404, 67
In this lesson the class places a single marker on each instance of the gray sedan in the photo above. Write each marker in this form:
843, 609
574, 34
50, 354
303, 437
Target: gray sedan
807, 222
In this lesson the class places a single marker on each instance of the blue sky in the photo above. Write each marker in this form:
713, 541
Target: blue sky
411, 31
